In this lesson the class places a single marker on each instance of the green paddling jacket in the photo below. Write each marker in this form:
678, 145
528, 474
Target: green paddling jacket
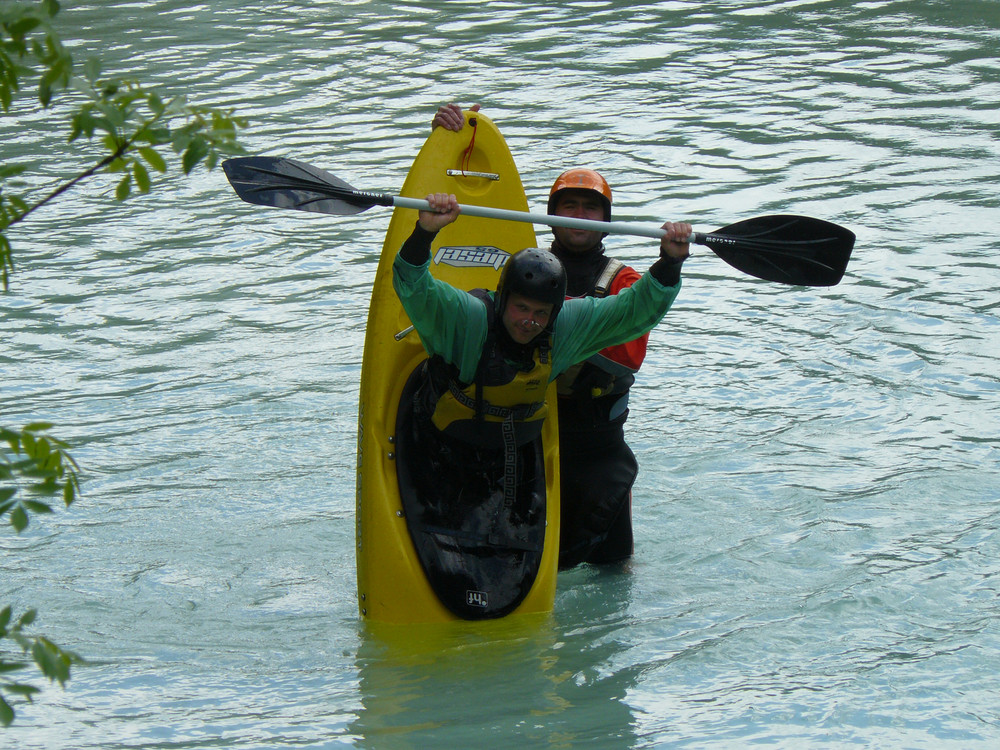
453, 324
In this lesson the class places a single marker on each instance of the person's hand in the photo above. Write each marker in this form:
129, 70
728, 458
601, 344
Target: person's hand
444, 209
450, 117
674, 245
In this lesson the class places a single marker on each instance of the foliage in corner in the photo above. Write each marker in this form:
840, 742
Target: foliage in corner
53, 661
134, 124
32, 458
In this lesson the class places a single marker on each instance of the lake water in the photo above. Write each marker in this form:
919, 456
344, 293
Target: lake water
817, 553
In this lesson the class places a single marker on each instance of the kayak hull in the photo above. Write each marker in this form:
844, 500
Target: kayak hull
476, 165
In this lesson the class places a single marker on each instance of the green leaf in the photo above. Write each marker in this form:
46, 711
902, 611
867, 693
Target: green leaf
141, 176
25, 691
69, 491
13, 438
153, 159
38, 427
82, 123
124, 188
44, 92
27, 618
6, 713
57, 75
103, 124
53, 661
223, 128
11, 170
5, 618
154, 136
155, 103
18, 203
37, 507
196, 151
23, 26
54, 463
112, 142
41, 451
114, 114
6, 493
46, 478
44, 658
118, 165
19, 519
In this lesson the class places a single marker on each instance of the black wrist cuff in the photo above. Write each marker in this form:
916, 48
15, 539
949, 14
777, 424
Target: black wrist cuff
417, 248
667, 271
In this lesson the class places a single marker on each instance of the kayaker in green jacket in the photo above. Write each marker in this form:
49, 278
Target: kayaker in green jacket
530, 335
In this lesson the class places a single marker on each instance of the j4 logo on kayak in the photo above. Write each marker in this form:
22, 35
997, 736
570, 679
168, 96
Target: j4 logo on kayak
468, 256
477, 599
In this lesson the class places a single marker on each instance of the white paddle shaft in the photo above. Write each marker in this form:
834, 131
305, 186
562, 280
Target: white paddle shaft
611, 227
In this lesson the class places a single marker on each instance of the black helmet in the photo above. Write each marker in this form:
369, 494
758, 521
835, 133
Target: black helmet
536, 274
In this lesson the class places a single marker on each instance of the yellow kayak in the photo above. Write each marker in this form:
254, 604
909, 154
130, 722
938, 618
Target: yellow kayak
395, 583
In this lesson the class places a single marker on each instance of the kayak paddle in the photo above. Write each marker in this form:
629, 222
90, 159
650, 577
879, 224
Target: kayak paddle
784, 248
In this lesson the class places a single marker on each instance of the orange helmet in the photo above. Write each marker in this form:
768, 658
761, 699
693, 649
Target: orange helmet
582, 179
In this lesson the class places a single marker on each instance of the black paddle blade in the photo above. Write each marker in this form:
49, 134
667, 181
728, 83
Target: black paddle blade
285, 183
789, 249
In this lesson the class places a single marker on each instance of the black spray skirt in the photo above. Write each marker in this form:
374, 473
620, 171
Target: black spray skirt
479, 550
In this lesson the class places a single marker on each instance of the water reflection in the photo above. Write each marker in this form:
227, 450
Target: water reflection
547, 681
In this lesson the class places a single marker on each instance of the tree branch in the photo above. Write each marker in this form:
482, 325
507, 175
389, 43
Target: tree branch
73, 183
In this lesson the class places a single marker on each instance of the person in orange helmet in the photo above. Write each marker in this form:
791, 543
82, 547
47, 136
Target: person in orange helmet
597, 467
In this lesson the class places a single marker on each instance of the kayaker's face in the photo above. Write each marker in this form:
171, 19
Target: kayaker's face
578, 204
525, 318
